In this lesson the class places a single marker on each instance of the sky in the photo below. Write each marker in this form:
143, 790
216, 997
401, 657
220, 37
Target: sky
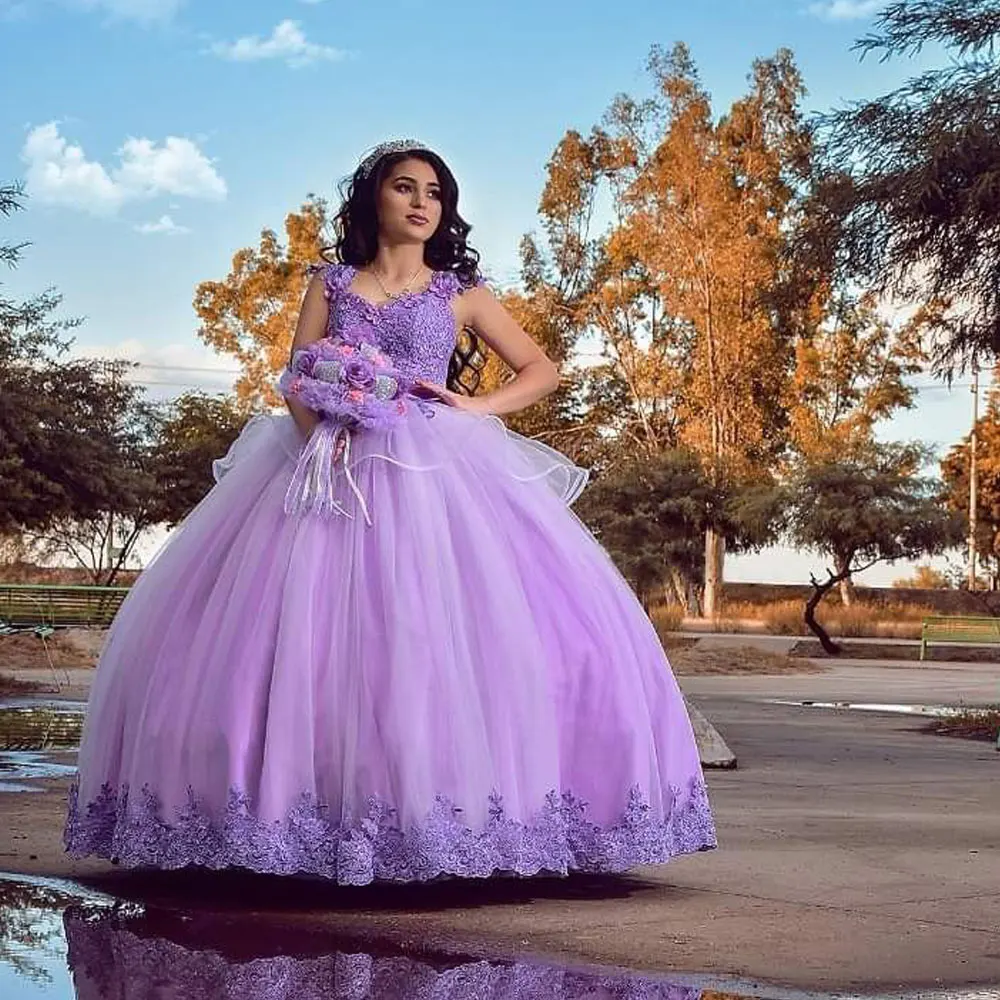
156, 137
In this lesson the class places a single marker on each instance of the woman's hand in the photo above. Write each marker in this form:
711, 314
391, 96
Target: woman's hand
471, 404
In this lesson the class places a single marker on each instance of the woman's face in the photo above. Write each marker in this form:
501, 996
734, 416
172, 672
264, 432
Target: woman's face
409, 203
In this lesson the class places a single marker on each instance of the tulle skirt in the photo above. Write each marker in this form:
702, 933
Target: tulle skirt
445, 676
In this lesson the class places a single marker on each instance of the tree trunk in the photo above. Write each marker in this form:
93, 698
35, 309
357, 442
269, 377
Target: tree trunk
677, 588
847, 594
684, 591
819, 592
715, 554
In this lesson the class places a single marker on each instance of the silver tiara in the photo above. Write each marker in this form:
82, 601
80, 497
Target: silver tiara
384, 149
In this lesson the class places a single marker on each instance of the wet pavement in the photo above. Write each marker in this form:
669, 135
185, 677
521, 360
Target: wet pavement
38, 740
60, 940
886, 880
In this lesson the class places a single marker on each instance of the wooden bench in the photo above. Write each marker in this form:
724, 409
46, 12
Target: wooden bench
946, 631
27, 607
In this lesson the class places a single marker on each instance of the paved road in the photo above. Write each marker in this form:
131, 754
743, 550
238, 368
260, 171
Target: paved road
884, 682
855, 851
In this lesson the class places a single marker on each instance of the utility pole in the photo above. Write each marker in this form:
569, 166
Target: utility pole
973, 477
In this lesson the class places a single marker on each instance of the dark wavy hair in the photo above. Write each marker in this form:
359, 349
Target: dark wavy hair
356, 229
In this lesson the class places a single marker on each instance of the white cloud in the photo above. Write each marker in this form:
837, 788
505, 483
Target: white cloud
143, 11
177, 167
287, 42
165, 224
59, 173
846, 10
168, 369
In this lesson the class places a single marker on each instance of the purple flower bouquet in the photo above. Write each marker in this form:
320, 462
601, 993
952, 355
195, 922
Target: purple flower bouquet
351, 383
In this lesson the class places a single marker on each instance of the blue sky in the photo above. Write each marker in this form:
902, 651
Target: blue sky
158, 136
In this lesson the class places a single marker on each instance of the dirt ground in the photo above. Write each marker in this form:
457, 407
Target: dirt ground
690, 657
79, 648
68, 648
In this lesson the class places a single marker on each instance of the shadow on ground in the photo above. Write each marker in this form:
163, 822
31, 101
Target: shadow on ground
229, 890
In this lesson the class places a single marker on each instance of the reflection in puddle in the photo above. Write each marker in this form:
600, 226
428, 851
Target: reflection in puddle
18, 768
40, 726
144, 956
58, 943
36, 741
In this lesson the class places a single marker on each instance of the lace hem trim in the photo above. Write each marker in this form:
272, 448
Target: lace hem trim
559, 839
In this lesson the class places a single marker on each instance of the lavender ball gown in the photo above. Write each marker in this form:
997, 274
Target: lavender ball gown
446, 677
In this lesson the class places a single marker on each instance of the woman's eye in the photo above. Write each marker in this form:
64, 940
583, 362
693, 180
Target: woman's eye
434, 194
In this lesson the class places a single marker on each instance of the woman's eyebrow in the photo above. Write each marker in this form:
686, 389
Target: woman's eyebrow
407, 177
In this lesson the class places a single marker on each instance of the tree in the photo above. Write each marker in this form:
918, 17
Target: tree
632, 392
907, 190
651, 513
925, 577
251, 314
864, 510
164, 464
560, 272
101, 539
59, 416
851, 373
955, 470
194, 430
710, 211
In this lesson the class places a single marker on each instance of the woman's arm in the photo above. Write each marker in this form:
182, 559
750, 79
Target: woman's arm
310, 327
535, 376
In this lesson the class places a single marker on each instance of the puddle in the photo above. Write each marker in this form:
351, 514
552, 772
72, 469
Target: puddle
40, 726
20, 768
931, 711
60, 941
36, 742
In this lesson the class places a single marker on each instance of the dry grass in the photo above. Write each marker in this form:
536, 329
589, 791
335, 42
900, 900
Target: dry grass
688, 656
861, 620
690, 659
28, 652
25, 572
666, 618
970, 724
15, 686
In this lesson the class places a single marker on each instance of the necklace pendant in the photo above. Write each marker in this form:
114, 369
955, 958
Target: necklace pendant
393, 296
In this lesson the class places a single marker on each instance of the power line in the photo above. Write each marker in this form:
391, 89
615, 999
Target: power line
176, 385
185, 368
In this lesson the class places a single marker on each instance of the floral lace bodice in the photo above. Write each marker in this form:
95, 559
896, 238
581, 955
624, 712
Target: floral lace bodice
417, 331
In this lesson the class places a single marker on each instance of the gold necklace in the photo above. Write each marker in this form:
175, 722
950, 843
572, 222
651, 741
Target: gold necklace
403, 291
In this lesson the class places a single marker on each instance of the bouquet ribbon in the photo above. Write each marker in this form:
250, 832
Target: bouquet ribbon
311, 490
352, 385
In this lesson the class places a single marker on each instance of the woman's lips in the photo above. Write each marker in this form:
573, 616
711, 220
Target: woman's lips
417, 220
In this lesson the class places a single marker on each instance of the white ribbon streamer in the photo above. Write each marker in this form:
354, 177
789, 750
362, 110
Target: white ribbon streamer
311, 490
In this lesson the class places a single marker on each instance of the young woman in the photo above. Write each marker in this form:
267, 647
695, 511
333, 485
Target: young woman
383, 647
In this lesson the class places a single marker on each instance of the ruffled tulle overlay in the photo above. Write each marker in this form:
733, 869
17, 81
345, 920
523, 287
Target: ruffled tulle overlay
459, 682
114, 957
